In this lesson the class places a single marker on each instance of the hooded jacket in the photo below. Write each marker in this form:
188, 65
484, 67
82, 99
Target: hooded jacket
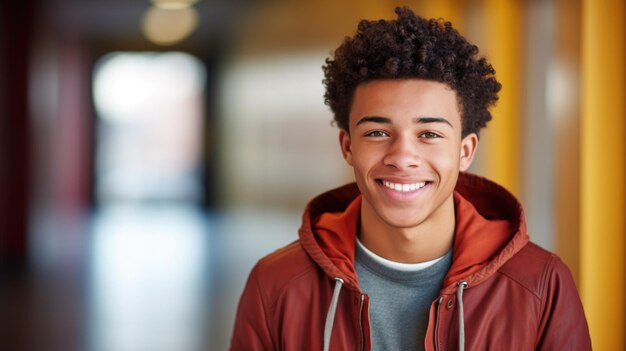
502, 292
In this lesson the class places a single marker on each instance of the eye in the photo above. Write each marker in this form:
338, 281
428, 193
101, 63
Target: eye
377, 134
430, 135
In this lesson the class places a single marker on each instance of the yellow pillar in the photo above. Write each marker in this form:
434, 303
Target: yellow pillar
503, 40
603, 172
449, 10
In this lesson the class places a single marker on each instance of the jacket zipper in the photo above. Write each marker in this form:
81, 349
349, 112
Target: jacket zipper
437, 323
361, 321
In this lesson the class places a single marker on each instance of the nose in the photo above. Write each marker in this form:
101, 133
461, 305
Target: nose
403, 153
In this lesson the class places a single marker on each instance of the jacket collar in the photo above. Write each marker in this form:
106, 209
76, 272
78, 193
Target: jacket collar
490, 228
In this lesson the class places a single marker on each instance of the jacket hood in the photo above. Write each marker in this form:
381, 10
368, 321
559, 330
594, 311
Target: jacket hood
490, 229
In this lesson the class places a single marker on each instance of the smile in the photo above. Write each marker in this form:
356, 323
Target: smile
403, 187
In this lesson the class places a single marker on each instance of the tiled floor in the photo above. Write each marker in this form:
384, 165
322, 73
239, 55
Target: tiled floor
157, 278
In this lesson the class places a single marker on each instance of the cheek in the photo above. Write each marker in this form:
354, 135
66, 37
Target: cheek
365, 165
444, 160
366, 158
360, 168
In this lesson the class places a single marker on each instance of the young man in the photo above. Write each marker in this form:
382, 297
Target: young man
417, 254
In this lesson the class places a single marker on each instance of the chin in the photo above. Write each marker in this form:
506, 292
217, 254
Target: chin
406, 220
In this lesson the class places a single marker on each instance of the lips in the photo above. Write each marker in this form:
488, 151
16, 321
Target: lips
403, 187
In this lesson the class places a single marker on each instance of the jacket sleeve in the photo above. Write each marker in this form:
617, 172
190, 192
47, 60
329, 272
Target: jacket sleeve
563, 323
252, 329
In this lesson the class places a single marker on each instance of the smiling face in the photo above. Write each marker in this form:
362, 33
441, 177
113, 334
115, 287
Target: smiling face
406, 150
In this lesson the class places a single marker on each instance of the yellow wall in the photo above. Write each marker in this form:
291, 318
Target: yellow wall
503, 34
603, 171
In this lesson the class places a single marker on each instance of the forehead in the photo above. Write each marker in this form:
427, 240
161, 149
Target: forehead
404, 100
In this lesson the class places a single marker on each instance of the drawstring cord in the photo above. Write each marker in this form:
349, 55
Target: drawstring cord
459, 298
330, 317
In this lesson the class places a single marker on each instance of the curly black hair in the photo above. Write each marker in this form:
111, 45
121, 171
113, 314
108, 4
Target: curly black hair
411, 47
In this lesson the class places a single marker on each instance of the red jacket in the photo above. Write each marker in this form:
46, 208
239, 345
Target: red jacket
502, 292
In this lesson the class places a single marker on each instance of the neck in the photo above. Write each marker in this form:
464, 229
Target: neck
428, 240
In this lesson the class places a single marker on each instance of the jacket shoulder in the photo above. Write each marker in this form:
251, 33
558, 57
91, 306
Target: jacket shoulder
257, 325
532, 266
274, 272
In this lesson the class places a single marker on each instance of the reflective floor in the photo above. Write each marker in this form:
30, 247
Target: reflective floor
137, 278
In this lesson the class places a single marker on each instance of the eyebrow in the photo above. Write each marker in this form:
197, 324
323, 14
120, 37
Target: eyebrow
431, 120
374, 119
418, 120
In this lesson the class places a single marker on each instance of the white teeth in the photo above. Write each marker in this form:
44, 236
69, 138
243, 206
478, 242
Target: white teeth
403, 187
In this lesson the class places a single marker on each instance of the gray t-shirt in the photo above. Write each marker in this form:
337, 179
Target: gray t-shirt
400, 299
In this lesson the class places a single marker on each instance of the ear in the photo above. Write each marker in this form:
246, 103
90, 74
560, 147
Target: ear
469, 144
346, 145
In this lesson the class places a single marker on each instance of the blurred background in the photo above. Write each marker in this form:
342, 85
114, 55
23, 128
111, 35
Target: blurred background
152, 151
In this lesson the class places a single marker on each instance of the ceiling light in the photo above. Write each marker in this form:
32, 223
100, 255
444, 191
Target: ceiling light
169, 26
173, 4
